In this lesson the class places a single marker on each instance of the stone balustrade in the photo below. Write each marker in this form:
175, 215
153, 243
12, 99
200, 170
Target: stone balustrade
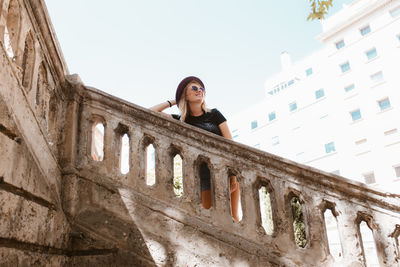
317, 191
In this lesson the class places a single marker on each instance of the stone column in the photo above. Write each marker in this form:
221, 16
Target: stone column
135, 157
249, 202
384, 241
221, 210
110, 147
350, 236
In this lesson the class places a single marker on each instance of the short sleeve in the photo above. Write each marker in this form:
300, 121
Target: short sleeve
218, 117
176, 116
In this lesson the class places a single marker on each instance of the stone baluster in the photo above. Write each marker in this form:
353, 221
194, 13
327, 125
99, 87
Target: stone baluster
164, 171
349, 231
251, 219
385, 243
111, 159
221, 210
315, 222
136, 160
191, 189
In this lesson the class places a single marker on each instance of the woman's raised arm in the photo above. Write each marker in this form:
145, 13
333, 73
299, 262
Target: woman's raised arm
160, 107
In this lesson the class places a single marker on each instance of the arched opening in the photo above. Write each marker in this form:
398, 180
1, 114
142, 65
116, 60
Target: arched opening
150, 165
299, 226
97, 152
235, 199
42, 96
205, 185
12, 28
178, 175
28, 61
124, 154
266, 210
368, 244
332, 233
7, 44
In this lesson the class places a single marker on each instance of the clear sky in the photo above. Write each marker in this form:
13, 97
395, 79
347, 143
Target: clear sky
140, 50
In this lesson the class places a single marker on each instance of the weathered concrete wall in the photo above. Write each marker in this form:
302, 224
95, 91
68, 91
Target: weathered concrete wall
34, 230
59, 207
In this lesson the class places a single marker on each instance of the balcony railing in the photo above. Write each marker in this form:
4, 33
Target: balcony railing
297, 194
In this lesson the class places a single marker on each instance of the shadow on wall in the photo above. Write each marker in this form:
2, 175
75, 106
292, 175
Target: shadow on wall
106, 219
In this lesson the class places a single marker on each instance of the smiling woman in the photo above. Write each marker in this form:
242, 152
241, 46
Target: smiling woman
190, 96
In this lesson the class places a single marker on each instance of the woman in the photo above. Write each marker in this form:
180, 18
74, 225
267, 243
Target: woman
190, 96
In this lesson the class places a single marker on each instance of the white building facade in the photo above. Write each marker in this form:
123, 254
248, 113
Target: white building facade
339, 109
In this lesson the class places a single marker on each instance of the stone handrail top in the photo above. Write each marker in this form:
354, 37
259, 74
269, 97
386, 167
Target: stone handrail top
306, 173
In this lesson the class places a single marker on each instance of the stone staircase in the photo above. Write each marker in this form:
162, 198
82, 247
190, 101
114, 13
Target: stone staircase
60, 206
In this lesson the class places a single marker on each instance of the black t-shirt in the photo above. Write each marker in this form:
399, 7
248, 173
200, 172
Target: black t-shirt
209, 121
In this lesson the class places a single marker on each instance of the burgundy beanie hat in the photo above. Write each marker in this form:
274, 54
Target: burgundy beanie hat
183, 84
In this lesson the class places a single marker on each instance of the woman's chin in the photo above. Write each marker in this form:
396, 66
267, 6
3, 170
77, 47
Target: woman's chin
196, 101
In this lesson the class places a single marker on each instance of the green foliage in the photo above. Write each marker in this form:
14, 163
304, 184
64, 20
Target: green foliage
319, 8
298, 223
178, 179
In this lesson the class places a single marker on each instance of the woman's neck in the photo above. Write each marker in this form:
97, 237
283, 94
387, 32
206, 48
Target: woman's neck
195, 109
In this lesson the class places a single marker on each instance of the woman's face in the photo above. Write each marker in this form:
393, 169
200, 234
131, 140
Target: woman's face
194, 93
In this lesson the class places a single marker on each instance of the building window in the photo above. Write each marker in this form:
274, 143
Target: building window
371, 53
309, 71
330, 147
361, 141
254, 124
349, 88
384, 103
389, 132
364, 31
345, 67
293, 106
340, 44
275, 140
355, 115
324, 116
377, 77
272, 116
369, 177
235, 133
397, 171
319, 93
395, 12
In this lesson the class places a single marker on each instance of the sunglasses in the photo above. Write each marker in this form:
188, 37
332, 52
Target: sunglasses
195, 88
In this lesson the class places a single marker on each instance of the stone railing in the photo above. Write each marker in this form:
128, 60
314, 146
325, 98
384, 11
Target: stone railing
316, 191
